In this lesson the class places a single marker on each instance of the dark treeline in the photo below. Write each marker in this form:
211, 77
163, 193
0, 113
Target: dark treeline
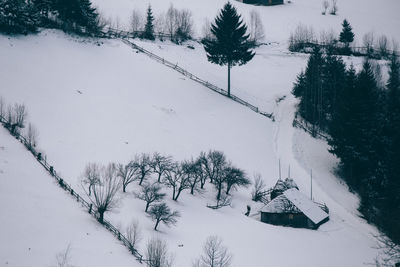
24, 16
361, 116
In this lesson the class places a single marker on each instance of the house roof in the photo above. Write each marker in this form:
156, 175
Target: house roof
306, 205
293, 201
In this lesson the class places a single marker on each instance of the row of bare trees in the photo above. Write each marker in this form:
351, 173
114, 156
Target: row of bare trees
14, 118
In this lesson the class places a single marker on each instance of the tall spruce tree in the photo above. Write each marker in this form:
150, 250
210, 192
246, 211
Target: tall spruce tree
346, 35
229, 44
149, 27
77, 12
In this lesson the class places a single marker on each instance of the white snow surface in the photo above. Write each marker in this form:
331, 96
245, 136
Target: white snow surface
129, 104
308, 207
39, 220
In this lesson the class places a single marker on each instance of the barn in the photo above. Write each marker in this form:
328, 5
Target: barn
263, 2
293, 208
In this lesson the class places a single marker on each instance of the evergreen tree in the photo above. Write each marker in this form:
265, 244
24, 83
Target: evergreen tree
347, 35
79, 12
17, 16
230, 43
149, 27
43, 6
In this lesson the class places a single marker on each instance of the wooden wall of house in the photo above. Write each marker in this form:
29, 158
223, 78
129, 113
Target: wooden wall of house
298, 220
264, 2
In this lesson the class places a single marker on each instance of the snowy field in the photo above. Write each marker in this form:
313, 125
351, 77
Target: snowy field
39, 220
100, 101
129, 104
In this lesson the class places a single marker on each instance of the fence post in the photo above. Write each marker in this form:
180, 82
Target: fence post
90, 208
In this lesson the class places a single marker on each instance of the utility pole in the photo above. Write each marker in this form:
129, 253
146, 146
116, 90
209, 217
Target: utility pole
279, 168
311, 184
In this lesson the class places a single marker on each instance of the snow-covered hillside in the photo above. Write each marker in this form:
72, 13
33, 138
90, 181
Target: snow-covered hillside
100, 101
381, 17
39, 220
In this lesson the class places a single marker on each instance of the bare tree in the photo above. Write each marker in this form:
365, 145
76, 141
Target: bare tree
184, 22
256, 28
91, 176
134, 235
215, 254
206, 30
235, 177
259, 188
160, 164
325, 5
170, 21
383, 45
223, 201
302, 35
334, 7
2, 108
150, 194
104, 197
127, 173
63, 258
162, 213
143, 165
176, 179
157, 254
193, 171
390, 252
137, 21
32, 135
368, 42
20, 114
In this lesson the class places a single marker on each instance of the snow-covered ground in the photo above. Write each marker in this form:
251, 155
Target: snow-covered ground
102, 102
380, 17
39, 220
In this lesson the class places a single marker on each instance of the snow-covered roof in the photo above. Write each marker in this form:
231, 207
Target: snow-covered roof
289, 182
280, 204
293, 201
306, 205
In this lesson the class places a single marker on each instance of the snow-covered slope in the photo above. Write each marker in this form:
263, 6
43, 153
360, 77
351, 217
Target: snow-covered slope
103, 102
381, 17
39, 220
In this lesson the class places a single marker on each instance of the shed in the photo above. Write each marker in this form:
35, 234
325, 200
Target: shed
263, 2
293, 208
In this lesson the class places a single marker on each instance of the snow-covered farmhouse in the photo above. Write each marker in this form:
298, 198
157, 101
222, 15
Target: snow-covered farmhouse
293, 208
263, 2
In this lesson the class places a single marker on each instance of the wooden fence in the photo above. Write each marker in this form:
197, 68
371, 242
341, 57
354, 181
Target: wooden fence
125, 36
64, 185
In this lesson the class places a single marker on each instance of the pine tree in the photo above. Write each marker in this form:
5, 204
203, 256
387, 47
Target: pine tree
347, 35
149, 27
230, 43
79, 12
17, 16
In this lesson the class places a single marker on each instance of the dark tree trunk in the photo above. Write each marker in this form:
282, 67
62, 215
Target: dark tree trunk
159, 177
147, 206
124, 188
229, 79
101, 217
219, 191
155, 226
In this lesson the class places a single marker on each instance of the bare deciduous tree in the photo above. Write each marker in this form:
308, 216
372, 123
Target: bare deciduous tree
193, 171
368, 42
134, 235
206, 30
170, 21
63, 258
334, 7
184, 22
259, 188
104, 197
162, 213
157, 254
2, 107
235, 177
91, 176
256, 28
215, 164
176, 179
160, 164
383, 45
390, 252
127, 174
143, 165
150, 194
215, 254
325, 5
32, 135
137, 21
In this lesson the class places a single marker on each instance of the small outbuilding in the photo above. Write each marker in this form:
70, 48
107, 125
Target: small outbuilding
263, 2
293, 208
